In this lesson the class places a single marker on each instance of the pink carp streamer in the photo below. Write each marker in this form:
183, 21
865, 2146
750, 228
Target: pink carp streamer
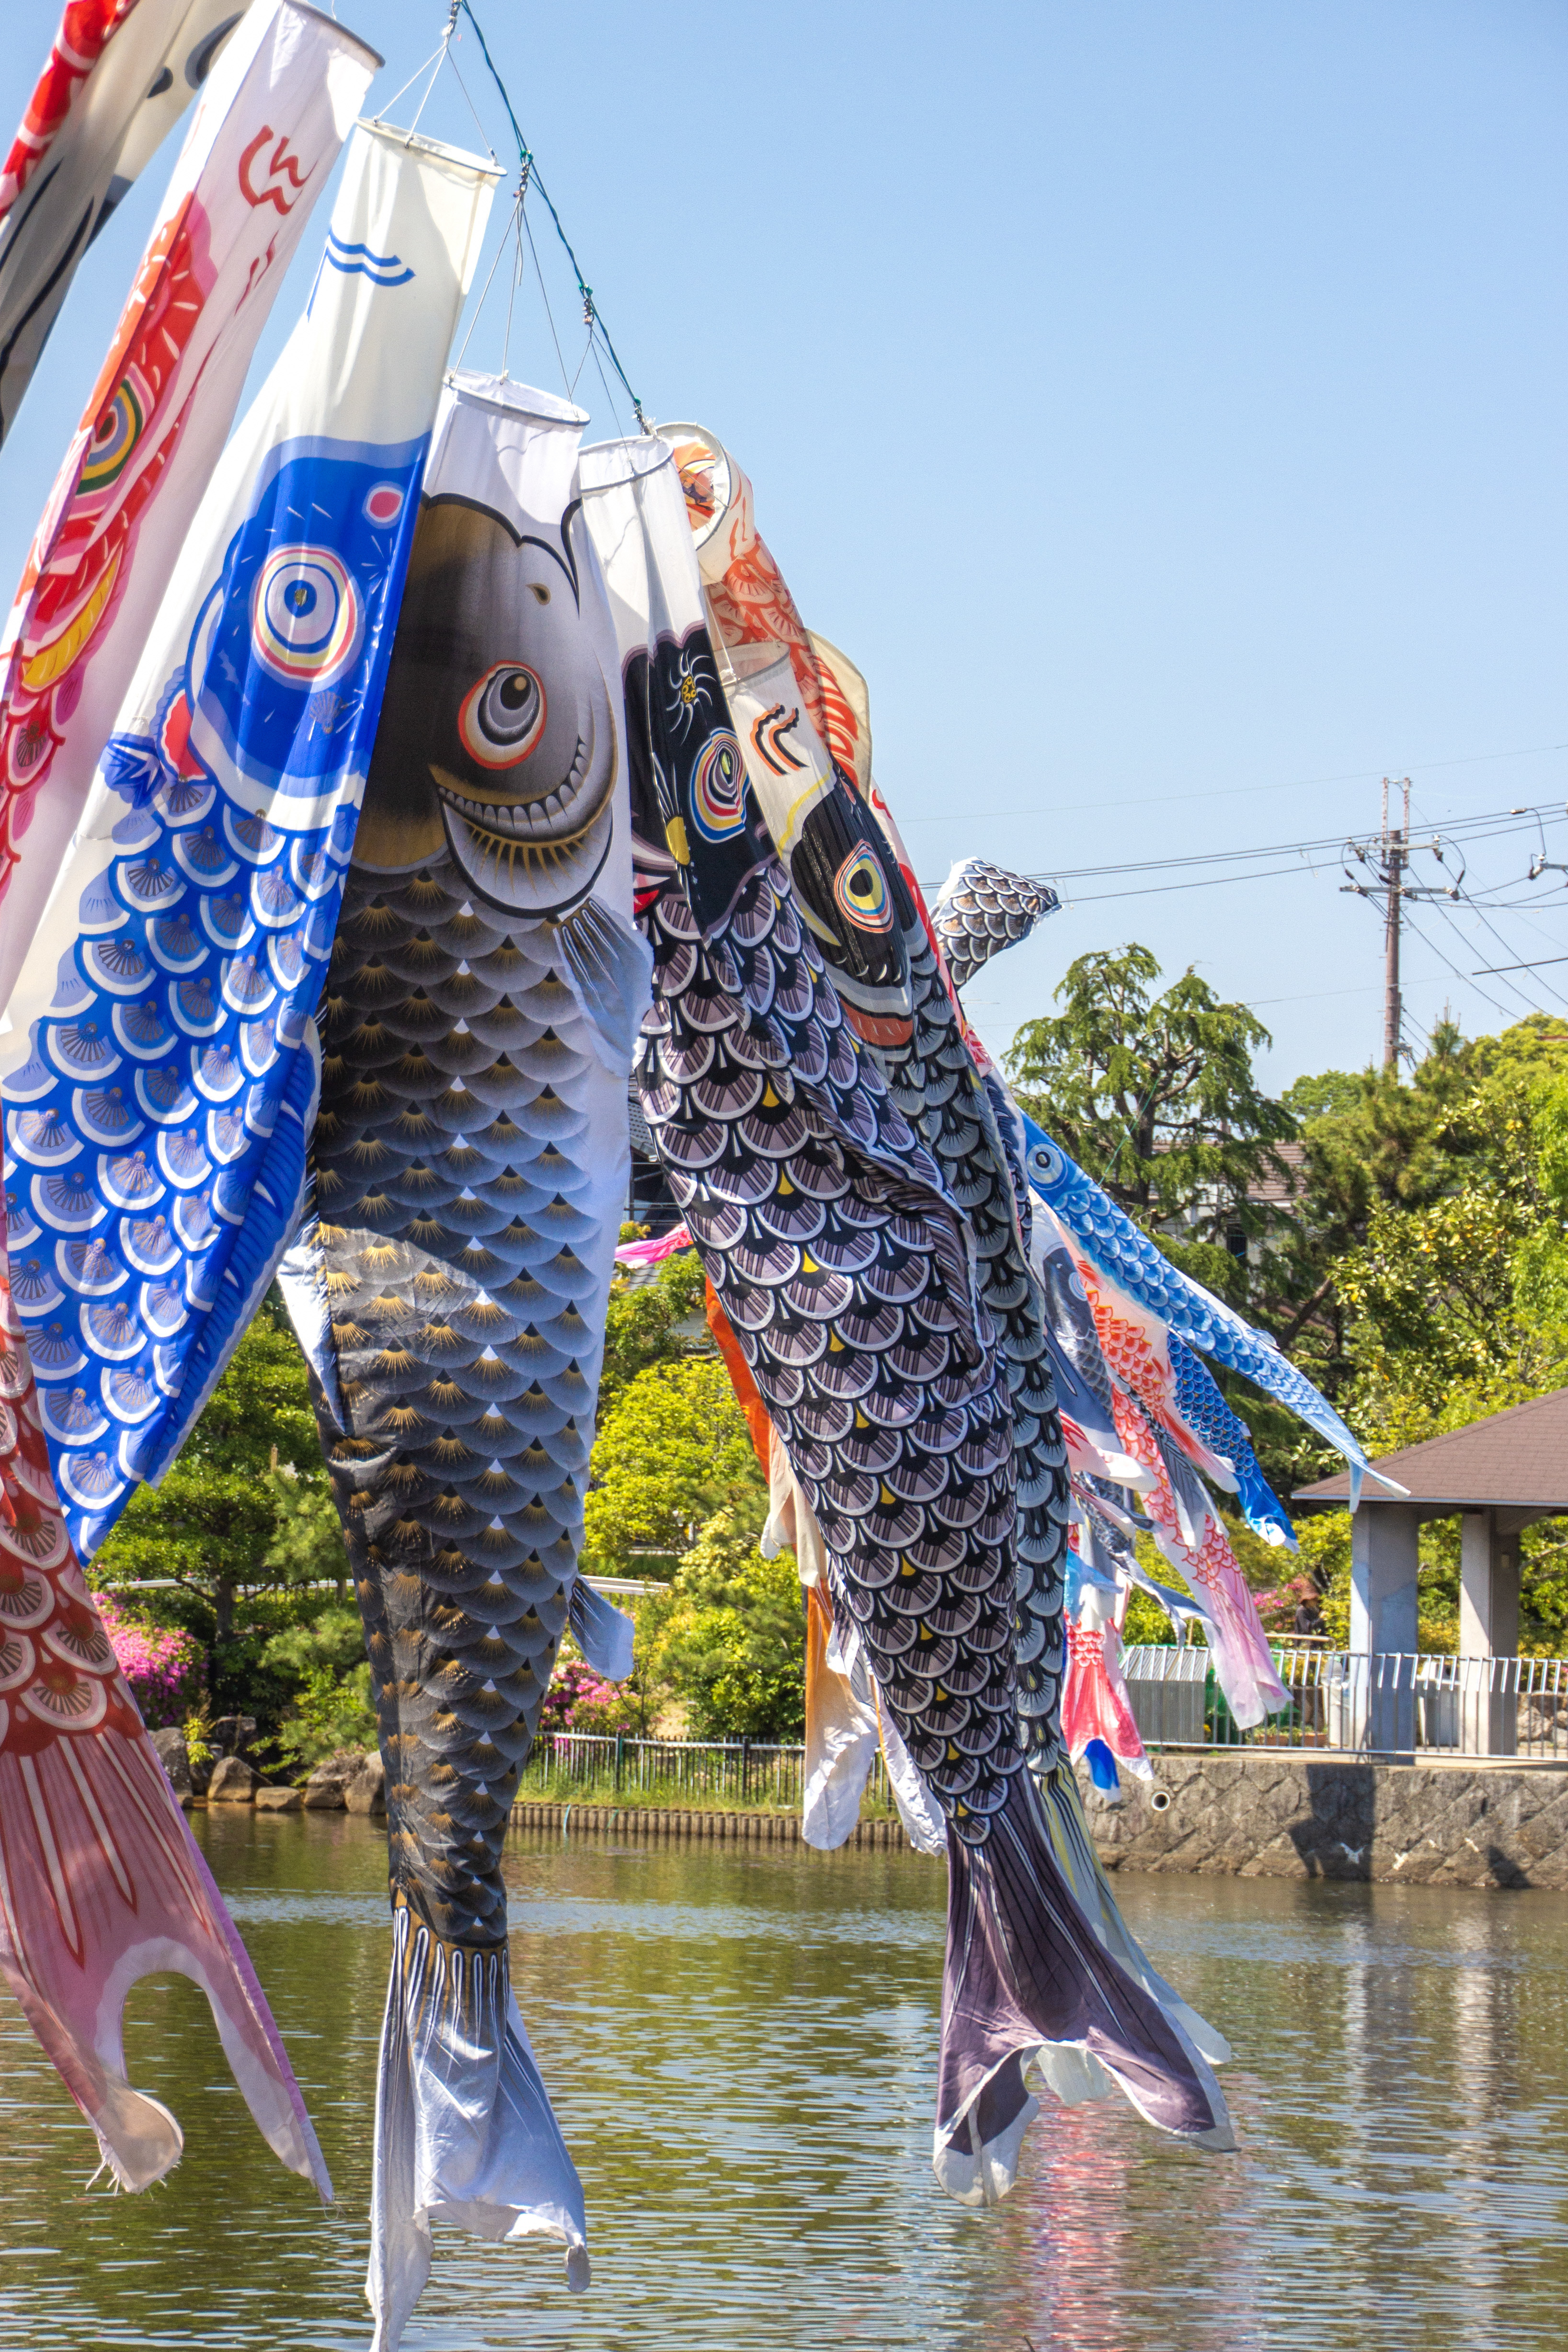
1095, 1701
100, 1881
642, 1256
1196, 1545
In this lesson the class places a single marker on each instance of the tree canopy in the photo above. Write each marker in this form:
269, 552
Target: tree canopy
1416, 1268
1155, 1095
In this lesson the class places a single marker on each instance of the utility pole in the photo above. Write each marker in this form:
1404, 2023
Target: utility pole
1395, 852
1384, 866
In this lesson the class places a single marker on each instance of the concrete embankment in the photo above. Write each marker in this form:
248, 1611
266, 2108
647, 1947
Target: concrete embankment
1261, 1816
678, 1822
1297, 1816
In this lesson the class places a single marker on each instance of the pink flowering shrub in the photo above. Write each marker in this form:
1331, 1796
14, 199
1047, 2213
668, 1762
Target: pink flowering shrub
579, 1700
164, 1666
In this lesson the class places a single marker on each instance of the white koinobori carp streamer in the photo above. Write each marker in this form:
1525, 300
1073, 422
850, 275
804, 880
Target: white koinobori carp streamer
165, 1068
264, 137
119, 75
471, 1156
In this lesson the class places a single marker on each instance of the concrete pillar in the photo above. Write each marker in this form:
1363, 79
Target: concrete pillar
1489, 1628
1384, 1563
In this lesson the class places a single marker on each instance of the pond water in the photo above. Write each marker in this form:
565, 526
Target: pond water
742, 2048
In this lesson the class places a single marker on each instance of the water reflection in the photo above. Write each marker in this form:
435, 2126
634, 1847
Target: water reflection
741, 2048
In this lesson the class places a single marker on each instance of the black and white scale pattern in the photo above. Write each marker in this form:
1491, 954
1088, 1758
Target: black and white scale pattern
981, 909
449, 1157
934, 1082
846, 1280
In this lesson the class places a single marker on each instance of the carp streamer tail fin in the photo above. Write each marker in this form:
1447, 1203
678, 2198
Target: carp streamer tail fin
1030, 1982
464, 2128
1073, 1846
100, 1884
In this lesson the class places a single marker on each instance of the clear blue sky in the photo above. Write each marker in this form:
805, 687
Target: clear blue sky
1163, 404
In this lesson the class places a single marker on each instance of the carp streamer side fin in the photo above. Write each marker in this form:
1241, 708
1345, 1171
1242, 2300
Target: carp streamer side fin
100, 1881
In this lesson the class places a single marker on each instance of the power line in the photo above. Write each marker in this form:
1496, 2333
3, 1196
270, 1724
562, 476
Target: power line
1237, 791
1499, 822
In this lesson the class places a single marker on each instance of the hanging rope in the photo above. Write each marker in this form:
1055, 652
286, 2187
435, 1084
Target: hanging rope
591, 318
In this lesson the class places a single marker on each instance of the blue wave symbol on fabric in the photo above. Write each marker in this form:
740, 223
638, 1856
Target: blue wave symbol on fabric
1110, 1239
358, 260
157, 1136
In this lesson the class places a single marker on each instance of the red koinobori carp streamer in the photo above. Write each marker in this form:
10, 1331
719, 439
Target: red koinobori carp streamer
100, 1881
118, 76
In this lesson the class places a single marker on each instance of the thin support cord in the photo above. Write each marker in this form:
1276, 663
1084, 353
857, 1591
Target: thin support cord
609, 395
544, 298
440, 61
433, 60
516, 279
473, 323
527, 156
474, 111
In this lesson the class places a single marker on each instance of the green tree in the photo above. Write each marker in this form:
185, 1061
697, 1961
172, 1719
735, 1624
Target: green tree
239, 1535
673, 1451
1155, 1095
324, 1662
659, 1321
733, 1643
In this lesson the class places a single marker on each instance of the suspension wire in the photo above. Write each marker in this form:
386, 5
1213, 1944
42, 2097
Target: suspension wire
516, 279
441, 56
609, 395
434, 58
473, 109
592, 319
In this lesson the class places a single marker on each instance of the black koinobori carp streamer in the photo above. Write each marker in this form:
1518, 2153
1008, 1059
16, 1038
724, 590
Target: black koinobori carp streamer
470, 1158
876, 941
841, 1260
885, 950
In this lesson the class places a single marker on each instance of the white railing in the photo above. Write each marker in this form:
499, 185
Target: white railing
1390, 1703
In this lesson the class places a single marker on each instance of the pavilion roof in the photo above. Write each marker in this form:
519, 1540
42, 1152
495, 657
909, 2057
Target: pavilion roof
1516, 1460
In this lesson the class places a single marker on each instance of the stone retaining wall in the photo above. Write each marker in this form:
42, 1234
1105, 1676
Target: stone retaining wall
1295, 1816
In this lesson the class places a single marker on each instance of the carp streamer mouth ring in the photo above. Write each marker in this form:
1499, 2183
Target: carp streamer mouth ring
547, 823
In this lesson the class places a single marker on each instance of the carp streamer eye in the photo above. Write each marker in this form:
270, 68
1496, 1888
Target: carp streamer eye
502, 717
306, 621
718, 788
860, 891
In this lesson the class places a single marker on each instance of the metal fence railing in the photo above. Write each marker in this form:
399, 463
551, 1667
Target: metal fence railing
593, 1767
1389, 1702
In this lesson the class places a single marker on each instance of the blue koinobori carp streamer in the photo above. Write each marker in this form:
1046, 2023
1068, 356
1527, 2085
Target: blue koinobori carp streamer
842, 1265
471, 1159
163, 1063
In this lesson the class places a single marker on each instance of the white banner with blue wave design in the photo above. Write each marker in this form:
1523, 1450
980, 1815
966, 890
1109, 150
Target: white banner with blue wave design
162, 1066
